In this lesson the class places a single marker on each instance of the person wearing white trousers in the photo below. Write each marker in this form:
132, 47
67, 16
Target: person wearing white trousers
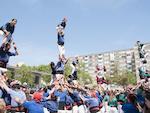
7, 30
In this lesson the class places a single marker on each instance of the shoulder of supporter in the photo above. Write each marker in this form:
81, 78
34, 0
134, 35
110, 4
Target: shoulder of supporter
69, 99
56, 92
128, 106
27, 104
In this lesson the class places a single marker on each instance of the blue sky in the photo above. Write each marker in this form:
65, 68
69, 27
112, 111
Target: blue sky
93, 26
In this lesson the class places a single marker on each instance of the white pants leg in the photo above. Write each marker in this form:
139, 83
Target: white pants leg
5, 39
45, 110
68, 111
62, 111
75, 109
1, 33
82, 109
113, 110
73, 68
61, 49
51, 82
52, 79
105, 108
120, 109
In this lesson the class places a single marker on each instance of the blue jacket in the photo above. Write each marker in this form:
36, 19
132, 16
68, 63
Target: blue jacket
69, 100
61, 39
100, 98
60, 67
61, 95
75, 96
129, 108
33, 107
91, 102
5, 55
52, 106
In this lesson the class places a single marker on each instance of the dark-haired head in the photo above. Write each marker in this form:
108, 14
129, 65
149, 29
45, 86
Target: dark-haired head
16, 86
13, 21
53, 97
45, 89
132, 98
7, 47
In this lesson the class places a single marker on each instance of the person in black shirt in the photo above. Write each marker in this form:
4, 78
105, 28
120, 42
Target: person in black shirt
60, 35
7, 30
74, 68
53, 73
5, 54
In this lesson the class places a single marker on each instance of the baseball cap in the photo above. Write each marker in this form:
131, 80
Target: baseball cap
37, 96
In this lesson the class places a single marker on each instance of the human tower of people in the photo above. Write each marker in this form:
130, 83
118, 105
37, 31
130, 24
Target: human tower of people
144, 73
61, 95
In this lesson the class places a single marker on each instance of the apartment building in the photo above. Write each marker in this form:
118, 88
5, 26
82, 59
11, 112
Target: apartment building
115, 61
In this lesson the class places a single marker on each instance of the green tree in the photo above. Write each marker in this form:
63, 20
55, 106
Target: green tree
46, 70
122, 79
25, 73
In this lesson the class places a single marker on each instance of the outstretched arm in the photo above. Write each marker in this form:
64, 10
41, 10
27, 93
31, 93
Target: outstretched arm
63, 23
3, 85
18, 100
15, 48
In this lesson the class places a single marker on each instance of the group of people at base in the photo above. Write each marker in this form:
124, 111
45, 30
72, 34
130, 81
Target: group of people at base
144, 73
72, 98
